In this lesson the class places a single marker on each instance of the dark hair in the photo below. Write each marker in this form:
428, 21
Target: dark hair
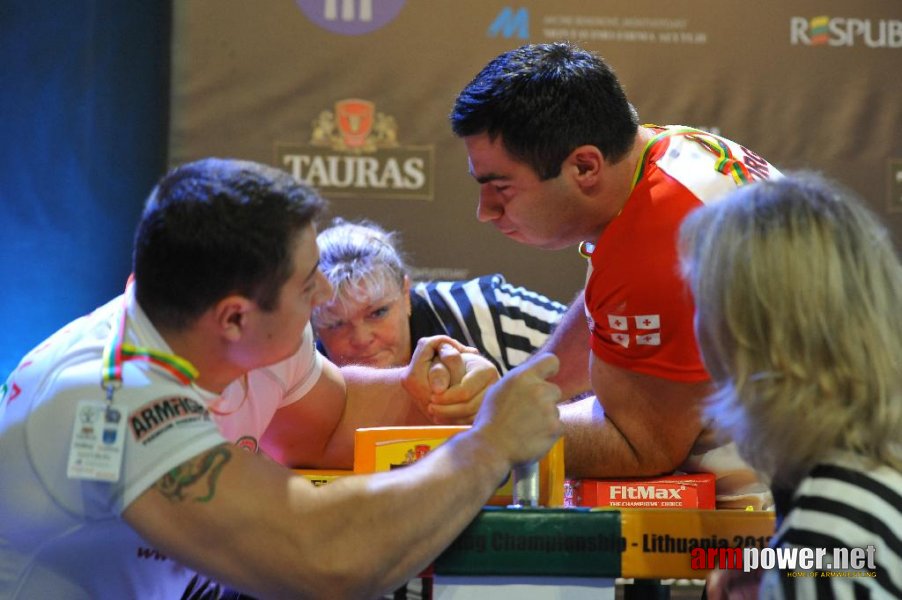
545, 100
216, 227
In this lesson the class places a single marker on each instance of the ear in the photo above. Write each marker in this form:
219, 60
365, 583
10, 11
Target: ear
231, 315
587, 163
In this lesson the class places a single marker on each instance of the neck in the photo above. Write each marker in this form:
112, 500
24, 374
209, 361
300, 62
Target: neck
626, 168
215, 371
618, 182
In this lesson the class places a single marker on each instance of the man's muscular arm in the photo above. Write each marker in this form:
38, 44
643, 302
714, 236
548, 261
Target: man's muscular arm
638, 425
258, 527
569, 342
317, 431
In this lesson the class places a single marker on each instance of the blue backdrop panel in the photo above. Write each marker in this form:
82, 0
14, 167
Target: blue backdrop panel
82, 139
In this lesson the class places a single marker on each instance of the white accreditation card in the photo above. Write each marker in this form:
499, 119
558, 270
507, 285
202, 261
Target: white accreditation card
98, 442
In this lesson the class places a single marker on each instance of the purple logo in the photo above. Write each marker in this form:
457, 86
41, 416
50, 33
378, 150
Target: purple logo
351, 17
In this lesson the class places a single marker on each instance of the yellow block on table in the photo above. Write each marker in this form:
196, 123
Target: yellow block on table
657, 543
320, 477
379, 449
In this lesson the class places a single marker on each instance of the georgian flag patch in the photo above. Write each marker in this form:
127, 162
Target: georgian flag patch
643, 330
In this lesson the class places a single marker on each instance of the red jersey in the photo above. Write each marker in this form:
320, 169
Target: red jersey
640, 311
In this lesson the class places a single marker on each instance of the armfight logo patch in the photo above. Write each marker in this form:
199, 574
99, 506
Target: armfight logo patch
157, 416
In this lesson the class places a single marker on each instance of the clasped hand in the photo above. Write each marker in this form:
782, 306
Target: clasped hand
448, 380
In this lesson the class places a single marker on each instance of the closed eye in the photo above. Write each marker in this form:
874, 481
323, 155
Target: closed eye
505, 191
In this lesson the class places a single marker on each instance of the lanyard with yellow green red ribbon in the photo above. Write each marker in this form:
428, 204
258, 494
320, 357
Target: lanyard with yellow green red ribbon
117, 352
726, 163
97, 449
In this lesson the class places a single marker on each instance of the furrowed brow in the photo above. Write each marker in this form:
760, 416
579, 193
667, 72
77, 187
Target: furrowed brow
488, 177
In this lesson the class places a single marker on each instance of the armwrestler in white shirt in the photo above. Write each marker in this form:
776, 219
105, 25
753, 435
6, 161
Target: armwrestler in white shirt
187, 499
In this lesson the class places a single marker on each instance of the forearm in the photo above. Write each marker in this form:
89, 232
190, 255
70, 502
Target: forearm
645, 439
570, 343
317, 431
260, 528
424, 506
379, 397
375, 398
595, 448
255, 526
637, 425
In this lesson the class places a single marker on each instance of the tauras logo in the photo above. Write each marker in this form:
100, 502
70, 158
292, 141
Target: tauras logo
643, 492
354, 152
841, 31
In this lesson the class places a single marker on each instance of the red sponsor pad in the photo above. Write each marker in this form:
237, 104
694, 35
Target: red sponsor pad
672, 491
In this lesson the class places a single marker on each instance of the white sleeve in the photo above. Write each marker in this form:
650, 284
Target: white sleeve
165, 424
297, 375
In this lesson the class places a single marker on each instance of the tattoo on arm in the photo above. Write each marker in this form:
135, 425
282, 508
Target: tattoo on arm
196, 477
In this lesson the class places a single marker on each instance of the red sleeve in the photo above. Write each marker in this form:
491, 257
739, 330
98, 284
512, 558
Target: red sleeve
641, 312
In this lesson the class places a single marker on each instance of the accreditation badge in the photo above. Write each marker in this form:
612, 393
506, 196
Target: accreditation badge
98, 442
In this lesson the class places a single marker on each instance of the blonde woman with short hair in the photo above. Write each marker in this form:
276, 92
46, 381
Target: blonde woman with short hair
797, 290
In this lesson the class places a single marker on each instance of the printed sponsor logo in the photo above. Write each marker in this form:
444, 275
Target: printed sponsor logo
644, 492
845, 32
247, 442
351, 17
152, 419
796, 561
438, 273
354, 153
894, 204
412, 455
509, 23
604, 28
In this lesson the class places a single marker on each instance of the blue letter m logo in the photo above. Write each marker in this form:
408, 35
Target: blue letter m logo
508, 23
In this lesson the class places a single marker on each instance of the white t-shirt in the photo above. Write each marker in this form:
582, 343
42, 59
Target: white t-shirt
248, 404
64, 538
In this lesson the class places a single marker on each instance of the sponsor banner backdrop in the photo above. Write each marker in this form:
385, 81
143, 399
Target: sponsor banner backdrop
352, 96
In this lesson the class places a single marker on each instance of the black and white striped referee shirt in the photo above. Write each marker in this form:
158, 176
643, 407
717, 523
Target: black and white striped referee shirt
841, 504
506, 323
